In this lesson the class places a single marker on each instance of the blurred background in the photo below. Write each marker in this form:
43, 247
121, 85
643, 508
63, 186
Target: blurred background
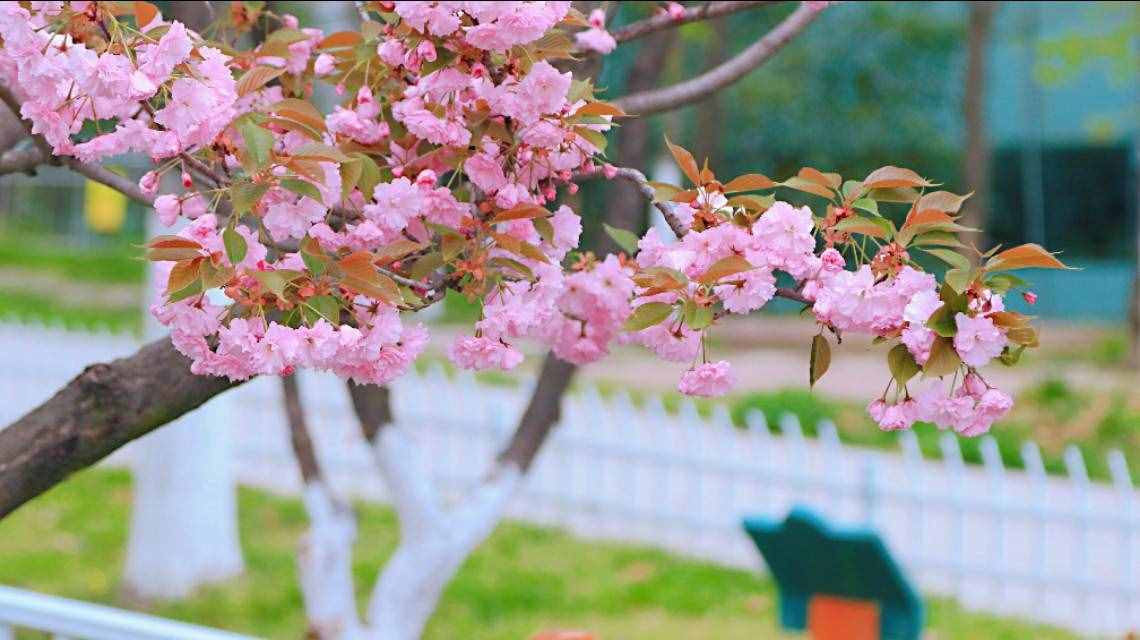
1033, 106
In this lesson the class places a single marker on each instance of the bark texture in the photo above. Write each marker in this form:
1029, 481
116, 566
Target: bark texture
100, 410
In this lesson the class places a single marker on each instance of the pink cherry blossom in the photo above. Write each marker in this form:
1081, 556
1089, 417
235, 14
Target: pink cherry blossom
709, 379
978, 340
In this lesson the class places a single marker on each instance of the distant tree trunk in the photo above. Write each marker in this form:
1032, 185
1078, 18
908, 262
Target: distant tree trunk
184, 531
626, 206
976, 170
710, 113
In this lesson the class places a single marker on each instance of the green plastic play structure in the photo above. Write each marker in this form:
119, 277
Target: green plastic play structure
809, 557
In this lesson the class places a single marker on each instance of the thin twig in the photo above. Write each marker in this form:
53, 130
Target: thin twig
706, 11
721, 76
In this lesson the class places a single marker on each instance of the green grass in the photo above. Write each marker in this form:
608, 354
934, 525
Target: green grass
24, 306
115, 263
524, 579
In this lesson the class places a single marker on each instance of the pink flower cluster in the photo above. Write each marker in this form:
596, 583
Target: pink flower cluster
969, 411
63, 84
446, 152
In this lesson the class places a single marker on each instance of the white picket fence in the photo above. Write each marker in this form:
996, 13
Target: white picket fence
1061, 550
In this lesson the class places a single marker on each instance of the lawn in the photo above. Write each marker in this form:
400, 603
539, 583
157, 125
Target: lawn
524, 579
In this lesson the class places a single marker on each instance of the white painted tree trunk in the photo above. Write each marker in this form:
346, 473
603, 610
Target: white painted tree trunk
434, 542
184, 529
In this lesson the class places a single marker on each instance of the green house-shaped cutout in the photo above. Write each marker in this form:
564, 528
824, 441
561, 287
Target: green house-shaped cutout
808, 557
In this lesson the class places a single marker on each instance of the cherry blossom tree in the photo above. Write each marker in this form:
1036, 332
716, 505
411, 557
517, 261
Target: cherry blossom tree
313, 238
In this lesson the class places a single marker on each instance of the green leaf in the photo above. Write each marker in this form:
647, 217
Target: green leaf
950, 257
648, 315
314, 258
820, 359
369, 174
302, 188
596, 138
243, 195
624, 239
943, 359
942, 322
1010, 357
1003, 282
235, 245
350, 173
258, 143
698, 316
902, 364
958, 279
275, 281
194, 288
545, 229
318, 307
866, 204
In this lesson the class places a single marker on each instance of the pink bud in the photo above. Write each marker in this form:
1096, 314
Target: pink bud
1030, 297
572, 188
340, 89
609, 171
167, 207
974, 385
187, 181
426, 178
675, 10
598, 18
324, 65
149, 183
290, 21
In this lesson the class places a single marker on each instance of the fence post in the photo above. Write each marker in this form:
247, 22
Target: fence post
952, 462
796, 465
832, 467
995, 471
760, 440
1075, 465
1122, 479
912, 456
870, 489
1031, 457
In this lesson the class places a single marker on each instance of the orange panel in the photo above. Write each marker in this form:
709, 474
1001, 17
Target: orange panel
831, 618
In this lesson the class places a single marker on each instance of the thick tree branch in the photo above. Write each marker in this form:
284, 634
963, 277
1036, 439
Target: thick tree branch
542, 413
662, 21
100, 410
695, 89
303, 449
21, 160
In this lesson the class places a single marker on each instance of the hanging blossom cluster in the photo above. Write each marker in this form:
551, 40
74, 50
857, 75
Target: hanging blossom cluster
309, 236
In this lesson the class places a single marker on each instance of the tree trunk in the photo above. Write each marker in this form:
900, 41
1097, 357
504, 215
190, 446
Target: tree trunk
184, 528
976, 168
626, 206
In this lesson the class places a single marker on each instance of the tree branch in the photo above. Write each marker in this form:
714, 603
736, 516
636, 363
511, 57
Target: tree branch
303, 449
21, 160
695, 89
662, 21
100, 410
542, 413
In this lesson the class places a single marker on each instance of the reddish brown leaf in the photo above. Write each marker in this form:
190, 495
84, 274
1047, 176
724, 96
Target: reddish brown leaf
890, 177
685, 161
749, 182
